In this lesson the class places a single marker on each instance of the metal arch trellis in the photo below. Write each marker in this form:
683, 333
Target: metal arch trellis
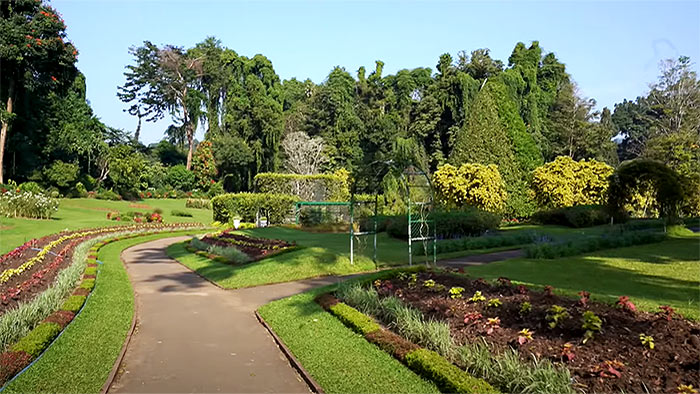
420, 204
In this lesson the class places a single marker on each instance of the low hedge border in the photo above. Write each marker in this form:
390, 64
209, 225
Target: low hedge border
29, 348
427, 364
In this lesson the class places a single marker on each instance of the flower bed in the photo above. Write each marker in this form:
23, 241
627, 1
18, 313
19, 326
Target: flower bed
606, 348
256, 248
31, 346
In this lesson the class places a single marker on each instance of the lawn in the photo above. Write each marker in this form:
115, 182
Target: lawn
83, 356
340, 360
666, 273
83, 213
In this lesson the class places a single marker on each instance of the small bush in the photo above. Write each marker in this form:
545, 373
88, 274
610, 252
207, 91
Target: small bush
90, 271
88, 284
198, 203
230, 254
27, 204
180, 178
483, 242
30, 187
184, 214
74, 303
62, 318
107, 195
446, 376
353, 318
11, 363
577, 217
38, 339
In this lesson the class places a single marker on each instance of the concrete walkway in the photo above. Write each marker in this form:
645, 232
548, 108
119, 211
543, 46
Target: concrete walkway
192, 336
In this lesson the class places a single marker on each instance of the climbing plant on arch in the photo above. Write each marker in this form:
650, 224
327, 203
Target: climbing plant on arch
632, 175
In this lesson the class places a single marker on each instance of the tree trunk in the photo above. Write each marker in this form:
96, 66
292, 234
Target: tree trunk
190, 143
138, 130
6, 127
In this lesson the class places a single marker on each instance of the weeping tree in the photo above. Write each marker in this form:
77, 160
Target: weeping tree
165, 80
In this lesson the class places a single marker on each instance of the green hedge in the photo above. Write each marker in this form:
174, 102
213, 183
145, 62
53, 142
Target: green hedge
485, 242
452, 224
74, 303
246, 205
446, 375
321, 187
580, 246
353, 318
88, 284
38, 339
577, 216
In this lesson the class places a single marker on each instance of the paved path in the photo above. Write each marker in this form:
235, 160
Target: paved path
479, 259
192, 336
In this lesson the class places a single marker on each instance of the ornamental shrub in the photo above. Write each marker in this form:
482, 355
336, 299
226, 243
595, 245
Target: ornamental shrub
587, 245
276, 207
475, 185
30, 187
61, 175
38, 339
454, 224
321, 187
578, 216
180, 178
27, 205
198, 203
203, 165
446, 375
565, 182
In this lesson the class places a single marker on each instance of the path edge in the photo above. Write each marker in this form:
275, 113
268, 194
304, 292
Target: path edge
118, 362
315, 387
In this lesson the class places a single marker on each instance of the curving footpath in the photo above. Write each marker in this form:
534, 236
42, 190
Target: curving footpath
192, 336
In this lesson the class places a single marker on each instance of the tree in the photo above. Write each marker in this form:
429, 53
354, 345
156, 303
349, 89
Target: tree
479, 65
126, 168
165, 79
204, 165
675, 98
565, 183
34, 57
303, 155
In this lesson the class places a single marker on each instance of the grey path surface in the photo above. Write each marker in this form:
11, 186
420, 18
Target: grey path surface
479, 259
192, 336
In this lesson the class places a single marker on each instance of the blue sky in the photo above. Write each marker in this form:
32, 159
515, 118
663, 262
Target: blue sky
612, 49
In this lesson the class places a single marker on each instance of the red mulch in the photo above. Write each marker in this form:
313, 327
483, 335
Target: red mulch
615, 350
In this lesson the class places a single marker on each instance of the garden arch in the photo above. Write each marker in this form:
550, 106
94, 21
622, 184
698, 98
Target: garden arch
631, 175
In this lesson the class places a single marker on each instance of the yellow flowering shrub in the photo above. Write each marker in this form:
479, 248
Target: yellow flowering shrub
475, 185
565, 182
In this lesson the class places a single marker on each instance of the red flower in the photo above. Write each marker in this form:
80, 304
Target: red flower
29, 46
54, 78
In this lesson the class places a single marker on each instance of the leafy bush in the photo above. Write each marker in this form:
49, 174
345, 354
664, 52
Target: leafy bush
11, 363
587, 245
215, 189
565, 182
198, 203
27, 205
229, 254
577, 216
180, 178
185, 214
277, 207
30, 187
453, 224
446, 376
474, 185
60, 174
203, 165
321, 187
314, 216
126, 169
104, 194
38, 339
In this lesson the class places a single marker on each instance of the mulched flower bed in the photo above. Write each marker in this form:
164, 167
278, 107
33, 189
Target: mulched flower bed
256, 248
614, 360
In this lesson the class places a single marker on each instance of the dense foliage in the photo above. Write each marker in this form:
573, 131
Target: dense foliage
474, 110
475, 185
252, 206
565, 182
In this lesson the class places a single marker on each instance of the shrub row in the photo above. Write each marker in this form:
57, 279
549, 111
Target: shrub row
587, 245
453, 224
425, 363
277, 207
198, 203
577, 216
320, 187
27, 204
484, 242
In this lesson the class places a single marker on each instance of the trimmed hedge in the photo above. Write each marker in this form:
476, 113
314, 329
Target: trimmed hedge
577, 216
73, 303
358, 321
453, 224
571, 248
446, 375
90, 271
38, 339
198, 203
485, 242
320, 187
88, 284
246, 205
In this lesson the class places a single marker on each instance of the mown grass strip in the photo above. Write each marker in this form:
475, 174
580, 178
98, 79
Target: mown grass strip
81, 359
340, 360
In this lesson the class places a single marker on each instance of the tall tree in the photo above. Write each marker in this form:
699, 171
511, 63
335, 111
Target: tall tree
165, 79
34, 58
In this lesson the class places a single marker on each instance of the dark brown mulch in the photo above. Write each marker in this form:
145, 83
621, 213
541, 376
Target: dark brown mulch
615, 350
256, 248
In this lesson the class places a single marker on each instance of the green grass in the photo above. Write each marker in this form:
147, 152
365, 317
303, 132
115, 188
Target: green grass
666, 273
340, 360
80, 213
81, 359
